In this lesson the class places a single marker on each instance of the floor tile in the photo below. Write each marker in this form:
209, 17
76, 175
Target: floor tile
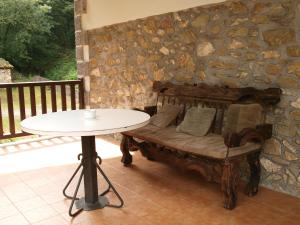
39, 214
18, 192
7, 211
153, 193
14, 220
56, 220
29, 204
61, 206
4, 201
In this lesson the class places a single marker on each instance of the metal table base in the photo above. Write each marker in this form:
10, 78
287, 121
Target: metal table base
90, 163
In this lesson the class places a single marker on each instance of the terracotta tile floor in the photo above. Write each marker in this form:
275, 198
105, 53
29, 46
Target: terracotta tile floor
34, 174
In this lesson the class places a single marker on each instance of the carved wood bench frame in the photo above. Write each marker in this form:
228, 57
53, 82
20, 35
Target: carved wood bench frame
219, 98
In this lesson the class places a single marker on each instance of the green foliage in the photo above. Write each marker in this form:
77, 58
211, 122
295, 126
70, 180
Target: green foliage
62, 12
64, 68
19, 77
24, 25
34, 33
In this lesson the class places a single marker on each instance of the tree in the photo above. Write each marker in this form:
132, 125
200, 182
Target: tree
25, 25
34, 33
62, 13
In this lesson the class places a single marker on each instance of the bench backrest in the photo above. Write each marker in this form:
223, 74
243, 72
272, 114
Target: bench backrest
214, 97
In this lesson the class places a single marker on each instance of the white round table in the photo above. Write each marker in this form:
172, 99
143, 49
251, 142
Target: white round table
74, 123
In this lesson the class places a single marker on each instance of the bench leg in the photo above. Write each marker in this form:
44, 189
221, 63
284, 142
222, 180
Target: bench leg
254, 165
127, 157
229, 182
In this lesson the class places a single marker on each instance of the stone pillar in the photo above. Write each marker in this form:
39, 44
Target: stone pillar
5, 75
82, 47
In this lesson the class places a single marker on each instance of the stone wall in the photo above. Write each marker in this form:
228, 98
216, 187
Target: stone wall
5, 75
236, 43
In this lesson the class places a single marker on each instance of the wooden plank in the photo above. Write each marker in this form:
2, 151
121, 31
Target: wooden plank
43, 99
208, 93
1, 120
10, 107
32, 100
22, 103
81, 95
18, 134
40, 83
63, 97
73, 97
53, 98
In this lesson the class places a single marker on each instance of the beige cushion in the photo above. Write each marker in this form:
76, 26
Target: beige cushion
165, 116
211, 145
240, 116
197, 121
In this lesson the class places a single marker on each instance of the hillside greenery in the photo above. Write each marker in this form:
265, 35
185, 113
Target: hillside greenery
37, 37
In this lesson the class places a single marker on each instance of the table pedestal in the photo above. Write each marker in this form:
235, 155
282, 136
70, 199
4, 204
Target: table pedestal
91, 200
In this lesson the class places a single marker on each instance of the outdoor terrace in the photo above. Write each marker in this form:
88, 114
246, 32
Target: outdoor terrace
33, 175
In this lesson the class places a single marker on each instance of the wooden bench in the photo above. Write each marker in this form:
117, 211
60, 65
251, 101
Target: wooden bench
216, 156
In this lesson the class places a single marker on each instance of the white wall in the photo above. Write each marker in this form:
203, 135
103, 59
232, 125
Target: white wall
106, 12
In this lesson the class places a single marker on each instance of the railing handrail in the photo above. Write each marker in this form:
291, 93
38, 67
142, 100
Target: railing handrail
39, 83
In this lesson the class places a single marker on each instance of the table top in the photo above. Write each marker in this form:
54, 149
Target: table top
74, 123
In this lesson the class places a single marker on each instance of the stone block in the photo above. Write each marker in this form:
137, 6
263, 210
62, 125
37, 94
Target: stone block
216, 29
236, 44
81, 38
164, 51
271, 54
158, 75
201, 21
294, 67
82, 68
78, 7
296, 104
270, 166
260, 19
287, 131
289, 146
280, 36
188, 37
5, 75
79, 53
77, 21
238, 32
273, 69
290, 156
277, 10
186, 61
295, 115
293, 51
202, 75
272, 147
221, 65
205, 48
260, 8
238, 7
288, 82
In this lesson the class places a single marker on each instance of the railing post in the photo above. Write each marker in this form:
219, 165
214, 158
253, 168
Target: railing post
22, 102
53, 98
10, 107
81, 94
32, 100
1, 121
43, 99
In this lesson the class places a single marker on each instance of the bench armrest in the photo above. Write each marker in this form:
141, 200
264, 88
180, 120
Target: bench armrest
259, 134
151, 110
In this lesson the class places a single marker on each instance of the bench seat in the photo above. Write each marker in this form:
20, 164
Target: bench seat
211, 145
236, 134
